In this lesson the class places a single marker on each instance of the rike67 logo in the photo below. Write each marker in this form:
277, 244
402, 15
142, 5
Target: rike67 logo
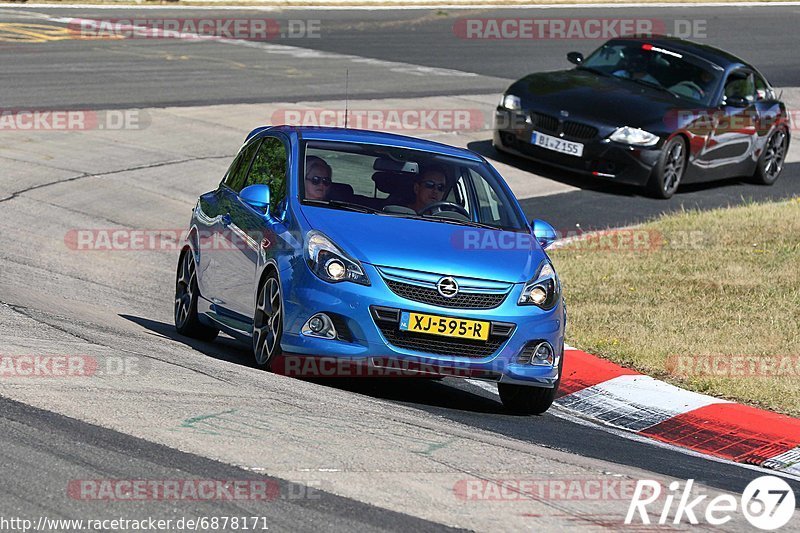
767, 503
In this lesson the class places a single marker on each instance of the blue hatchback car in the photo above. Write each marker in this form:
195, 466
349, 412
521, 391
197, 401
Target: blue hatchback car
376, 249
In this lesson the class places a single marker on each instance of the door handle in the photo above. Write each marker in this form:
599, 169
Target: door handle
226, 219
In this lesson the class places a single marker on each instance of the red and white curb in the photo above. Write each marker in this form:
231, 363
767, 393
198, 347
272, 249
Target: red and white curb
604, 392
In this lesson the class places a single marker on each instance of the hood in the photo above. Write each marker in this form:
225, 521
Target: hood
434, 247
601, 100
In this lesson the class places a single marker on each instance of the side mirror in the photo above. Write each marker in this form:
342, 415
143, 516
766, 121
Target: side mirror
257, 197
575, 58
543, 232
736, 101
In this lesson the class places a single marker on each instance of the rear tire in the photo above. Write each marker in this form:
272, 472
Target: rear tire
187, 322
669, 170
770, 164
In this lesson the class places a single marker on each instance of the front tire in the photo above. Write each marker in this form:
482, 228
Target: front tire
186, 294
770, 164
268, 322
669, 170
526, 400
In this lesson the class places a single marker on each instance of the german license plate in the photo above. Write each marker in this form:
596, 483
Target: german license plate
445, 326
556, 144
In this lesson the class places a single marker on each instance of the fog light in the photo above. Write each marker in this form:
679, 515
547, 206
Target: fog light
335, 269
316, 324
319, 325
543, 355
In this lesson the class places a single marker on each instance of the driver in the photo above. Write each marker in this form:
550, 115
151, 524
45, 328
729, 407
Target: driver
429, 188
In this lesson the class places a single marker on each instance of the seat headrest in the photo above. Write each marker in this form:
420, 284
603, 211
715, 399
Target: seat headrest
341, 191
392, 182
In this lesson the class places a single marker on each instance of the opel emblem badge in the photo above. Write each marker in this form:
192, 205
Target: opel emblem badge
447, 287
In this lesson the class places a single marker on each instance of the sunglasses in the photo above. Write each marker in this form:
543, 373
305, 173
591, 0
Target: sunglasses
316, 180
430, 184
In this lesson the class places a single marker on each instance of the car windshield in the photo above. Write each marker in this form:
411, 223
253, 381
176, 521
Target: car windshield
641, 62
392, 181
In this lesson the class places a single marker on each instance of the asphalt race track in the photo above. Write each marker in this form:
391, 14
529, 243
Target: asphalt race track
384, 454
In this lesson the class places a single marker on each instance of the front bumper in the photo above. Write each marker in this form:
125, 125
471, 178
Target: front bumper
366, 340
601, 157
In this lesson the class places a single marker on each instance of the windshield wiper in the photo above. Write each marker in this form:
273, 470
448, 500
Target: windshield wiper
458, 222
594, 70
339, 204
653, 85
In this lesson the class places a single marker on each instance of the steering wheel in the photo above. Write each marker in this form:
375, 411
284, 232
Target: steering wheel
439, 206
690, 85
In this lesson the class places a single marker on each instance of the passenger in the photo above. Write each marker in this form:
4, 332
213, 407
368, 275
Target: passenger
636, 69
318, 178
429, 188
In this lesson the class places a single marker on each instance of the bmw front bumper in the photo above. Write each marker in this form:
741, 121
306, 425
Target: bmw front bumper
601, 157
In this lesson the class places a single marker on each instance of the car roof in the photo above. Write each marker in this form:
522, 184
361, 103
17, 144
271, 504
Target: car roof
368, 137
711, 54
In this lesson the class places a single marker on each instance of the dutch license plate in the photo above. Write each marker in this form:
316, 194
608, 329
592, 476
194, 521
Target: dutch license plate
445, 326
555, 144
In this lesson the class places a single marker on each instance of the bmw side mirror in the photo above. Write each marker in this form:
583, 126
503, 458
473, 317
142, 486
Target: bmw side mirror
576, 58
543, 232
257, 197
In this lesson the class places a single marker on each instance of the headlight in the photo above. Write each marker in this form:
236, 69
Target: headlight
509, 101
330, 263
634, 136
544, 290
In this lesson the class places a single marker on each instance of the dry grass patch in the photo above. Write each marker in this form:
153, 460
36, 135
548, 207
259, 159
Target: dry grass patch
706, 300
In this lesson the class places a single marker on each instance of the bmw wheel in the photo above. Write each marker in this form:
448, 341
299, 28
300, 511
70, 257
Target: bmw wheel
669, 170
268, 322
770, 164
186, 293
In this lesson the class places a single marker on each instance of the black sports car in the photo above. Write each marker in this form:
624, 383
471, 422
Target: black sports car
654, 112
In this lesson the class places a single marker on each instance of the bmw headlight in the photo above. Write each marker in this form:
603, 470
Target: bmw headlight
509, 101
634, 136
544, 290
330, 263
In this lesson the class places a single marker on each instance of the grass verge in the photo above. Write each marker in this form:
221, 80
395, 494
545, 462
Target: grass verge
709, 300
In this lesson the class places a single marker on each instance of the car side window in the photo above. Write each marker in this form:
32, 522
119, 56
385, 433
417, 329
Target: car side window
740, 85
269, 168
492, 211
762, 89
237, 173
458, 195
